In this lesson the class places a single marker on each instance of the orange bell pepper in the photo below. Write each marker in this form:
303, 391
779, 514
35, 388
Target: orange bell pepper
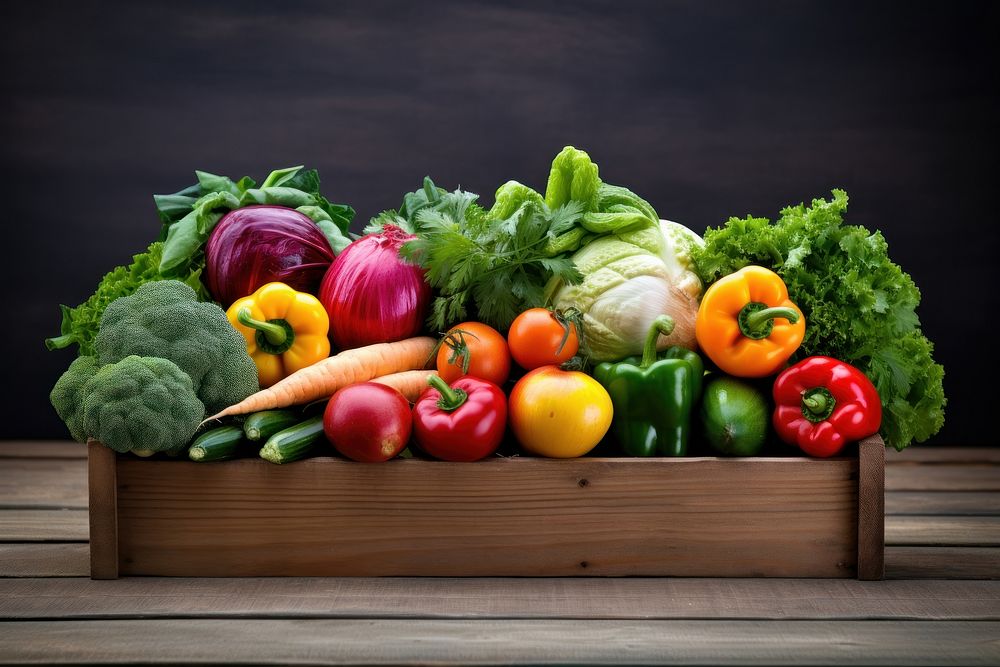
285, 330
747, 325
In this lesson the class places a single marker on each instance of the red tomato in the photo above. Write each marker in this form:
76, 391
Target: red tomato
539, 337
480, 347
368, 422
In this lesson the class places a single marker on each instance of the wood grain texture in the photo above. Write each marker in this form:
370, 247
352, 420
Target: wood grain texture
472, 642
43, 483
871, 508
945, 454
103, 481
19, 525
521, 516
584, 598
983, 531
942, 562
943, 503
44, 560
42, 449
956, 477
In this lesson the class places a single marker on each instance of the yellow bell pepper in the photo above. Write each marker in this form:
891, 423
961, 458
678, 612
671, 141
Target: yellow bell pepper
747, 325
285, 330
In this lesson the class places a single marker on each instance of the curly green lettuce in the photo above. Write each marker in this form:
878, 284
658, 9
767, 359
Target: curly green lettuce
80, 324
860, 307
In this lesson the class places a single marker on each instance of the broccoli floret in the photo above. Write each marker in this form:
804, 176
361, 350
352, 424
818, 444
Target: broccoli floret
66, 395
144, 403
164, 319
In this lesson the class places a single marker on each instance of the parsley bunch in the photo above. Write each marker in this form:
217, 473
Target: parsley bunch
481, 265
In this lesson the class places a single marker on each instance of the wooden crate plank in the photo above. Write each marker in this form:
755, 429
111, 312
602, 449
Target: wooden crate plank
103, 482
43, 483
981, 531
590, 598
871, 509
943, 503
958, 477
500, 517
44, 560
42, 449
380, 641
943, 454
941, 562
18, 525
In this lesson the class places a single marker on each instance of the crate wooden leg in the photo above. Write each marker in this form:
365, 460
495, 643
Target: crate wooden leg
871, 509
103, 482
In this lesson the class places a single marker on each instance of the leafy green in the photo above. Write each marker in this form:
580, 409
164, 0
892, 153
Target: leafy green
495, 268
429, 197
607, 209
189, 216
859, 306
494, 264
80, 324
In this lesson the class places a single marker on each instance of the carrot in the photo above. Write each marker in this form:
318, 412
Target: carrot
327, 376
409, 383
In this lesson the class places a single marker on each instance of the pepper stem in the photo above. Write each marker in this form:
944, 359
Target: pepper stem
662, 325
756, 320
274, 333
817, 404
452, 398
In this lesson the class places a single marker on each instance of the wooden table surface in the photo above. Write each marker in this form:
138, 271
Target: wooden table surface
940, 604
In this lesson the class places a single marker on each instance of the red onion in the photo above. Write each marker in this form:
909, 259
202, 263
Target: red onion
372, 295
256, 245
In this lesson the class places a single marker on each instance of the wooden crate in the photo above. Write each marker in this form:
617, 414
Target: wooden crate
752, 517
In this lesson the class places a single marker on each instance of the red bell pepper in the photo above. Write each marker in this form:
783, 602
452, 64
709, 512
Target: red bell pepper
462, 422
821, 404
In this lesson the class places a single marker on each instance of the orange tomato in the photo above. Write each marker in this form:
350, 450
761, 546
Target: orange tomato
476, 349
540, 337
559, 414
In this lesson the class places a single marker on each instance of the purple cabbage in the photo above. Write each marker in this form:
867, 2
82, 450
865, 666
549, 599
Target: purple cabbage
256, 245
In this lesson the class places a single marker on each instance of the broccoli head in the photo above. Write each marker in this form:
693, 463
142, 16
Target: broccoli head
140, 403
164, 319
66, 396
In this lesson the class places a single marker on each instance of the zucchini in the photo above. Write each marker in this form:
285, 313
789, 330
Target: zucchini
293, 443
262, 425
218, 444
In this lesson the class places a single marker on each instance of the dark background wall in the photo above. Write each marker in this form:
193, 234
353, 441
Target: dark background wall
707, 109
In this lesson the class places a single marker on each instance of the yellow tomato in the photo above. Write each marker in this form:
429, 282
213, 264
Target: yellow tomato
559, 414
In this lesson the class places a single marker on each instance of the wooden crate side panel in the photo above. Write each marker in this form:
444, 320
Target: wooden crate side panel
103, 486
871, 508
512, 517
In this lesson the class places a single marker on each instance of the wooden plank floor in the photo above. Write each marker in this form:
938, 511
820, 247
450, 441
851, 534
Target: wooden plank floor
940, 604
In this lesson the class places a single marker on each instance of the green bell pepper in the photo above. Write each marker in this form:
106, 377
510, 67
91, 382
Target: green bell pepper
654, 397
